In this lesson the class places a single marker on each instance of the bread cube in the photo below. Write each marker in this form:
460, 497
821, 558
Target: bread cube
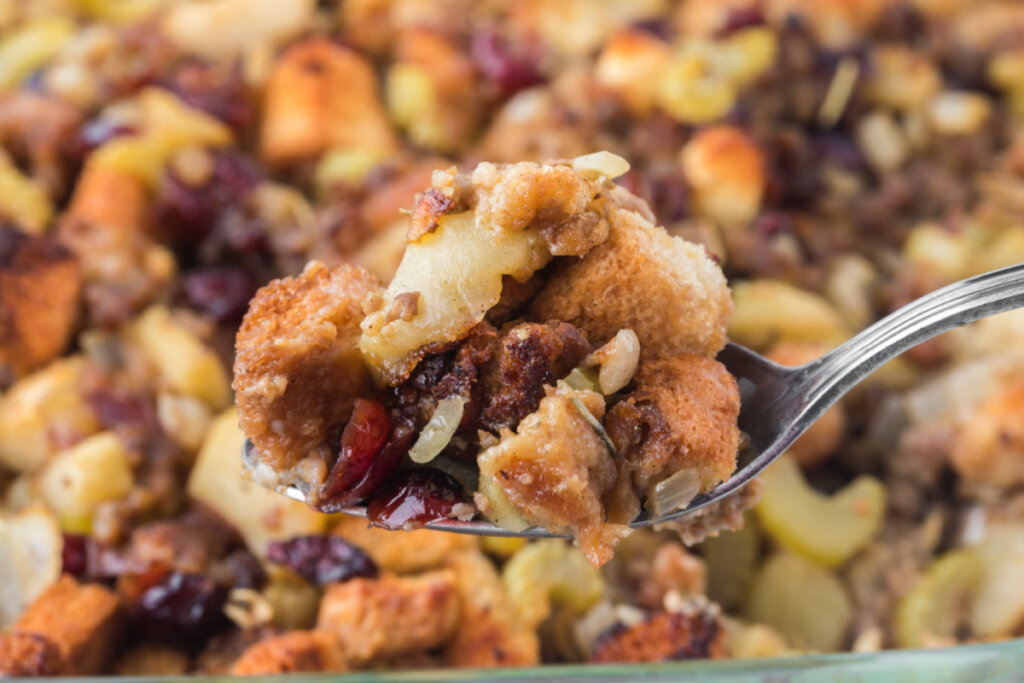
293, 651
40, 286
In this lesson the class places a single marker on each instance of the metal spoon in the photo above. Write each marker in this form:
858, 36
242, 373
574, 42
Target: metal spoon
780, 403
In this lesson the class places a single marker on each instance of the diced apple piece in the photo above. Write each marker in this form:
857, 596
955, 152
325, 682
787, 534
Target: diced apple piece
998, 606
260, 515
82, 477
802, 601
936, 605
39, 405
827, 529
766, 312
187, 365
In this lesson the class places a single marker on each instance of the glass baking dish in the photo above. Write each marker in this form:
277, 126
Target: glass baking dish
990, 662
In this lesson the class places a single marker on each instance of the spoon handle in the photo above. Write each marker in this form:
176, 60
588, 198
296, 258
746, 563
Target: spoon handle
955, 305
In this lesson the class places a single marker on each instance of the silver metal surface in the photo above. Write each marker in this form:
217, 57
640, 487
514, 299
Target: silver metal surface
780, 403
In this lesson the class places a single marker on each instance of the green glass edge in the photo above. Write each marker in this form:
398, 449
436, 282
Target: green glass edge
989, 662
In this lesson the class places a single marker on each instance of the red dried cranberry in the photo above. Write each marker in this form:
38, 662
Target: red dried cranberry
75, 555
364, 437
217, 92
116, 408
418, 497
496, 61
221, 292
379, 471
740, 18
183, 608
322, 559
241, 569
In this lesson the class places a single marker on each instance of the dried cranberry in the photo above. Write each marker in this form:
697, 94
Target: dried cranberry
496, 61
183, 608
740, 18
322, 559
364, 437
75, 555
379, 471
418, 497
217, 92
221, 292
116, 408
241, 569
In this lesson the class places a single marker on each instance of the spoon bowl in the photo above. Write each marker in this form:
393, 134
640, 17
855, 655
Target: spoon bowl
779, 403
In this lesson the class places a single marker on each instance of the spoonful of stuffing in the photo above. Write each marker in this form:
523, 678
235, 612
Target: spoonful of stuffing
546, 360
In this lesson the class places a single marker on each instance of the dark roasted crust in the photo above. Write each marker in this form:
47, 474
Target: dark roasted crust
663, 636
29, 654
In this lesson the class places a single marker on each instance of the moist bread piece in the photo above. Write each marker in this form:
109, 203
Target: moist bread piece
490, 632
680, 414
695, 633
667, 290
84, 621
40, 287
390, 615
298, 371
555, 470
29, 654
316, 650
403, 552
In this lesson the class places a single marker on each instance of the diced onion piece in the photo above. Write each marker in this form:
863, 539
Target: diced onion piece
673, 493
600, 164
499, 510
439, 430
617, 361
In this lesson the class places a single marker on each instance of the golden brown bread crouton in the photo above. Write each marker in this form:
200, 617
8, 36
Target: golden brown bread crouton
84, 621
297, 368
152, 659
630, 65
988, 446
316, 650
822, 437
40, 285
555, 470
390, 615
490, 633
680, 414
666, 290
725, 168
403, 552
104, 226
692, 634
321, 95
29, 654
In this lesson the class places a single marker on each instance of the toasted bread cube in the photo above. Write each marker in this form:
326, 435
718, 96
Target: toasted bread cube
225, 29
187, 365
681, 414
555, 470
319, 96
259, 515
317, 650
988, 447
403, 552
152, 659
668, 291
297, 367
46, 403
83, 620
726, 170
29, 654
40, 285
109, 196
490, 632
630, 65
391, 615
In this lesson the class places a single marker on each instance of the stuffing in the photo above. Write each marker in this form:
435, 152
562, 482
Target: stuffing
630, 65
150, 659
726, 170
297, 368
680, 415
988, 446
403, 552
316, 650
613, 286
84, 621
29, 654
322, 96
696, 633
40, 285
489, 632
555, 470
391, 615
